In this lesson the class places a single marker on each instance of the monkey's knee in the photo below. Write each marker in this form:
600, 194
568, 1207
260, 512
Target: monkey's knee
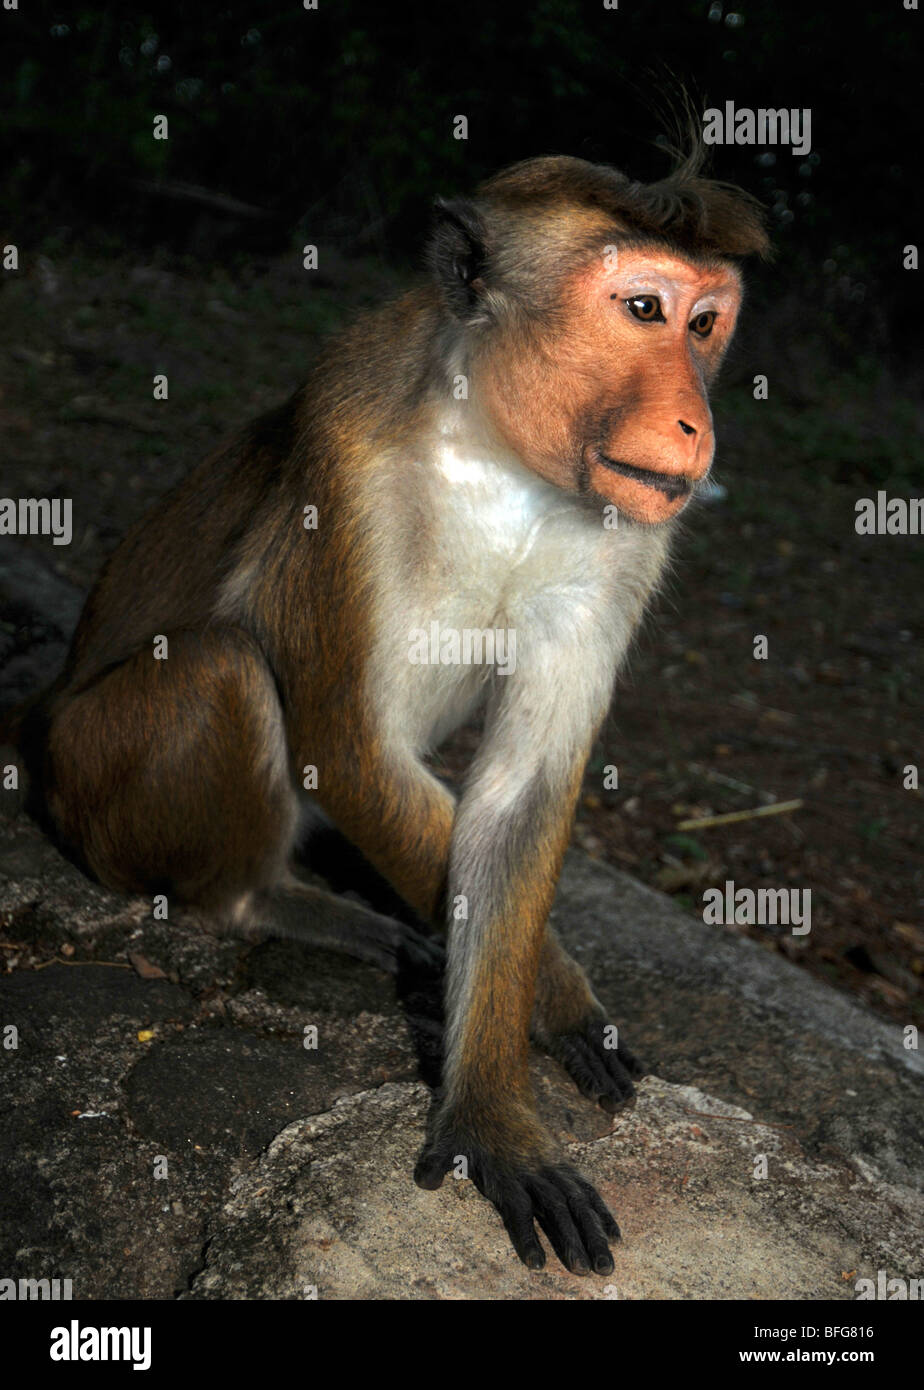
172, 774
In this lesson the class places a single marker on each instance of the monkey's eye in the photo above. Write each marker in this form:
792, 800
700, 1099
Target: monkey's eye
646, 307
702, 324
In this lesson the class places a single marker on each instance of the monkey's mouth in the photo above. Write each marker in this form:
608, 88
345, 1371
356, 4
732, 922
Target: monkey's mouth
673, 485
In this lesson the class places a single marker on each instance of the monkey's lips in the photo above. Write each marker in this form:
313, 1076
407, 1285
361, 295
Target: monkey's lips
644, 494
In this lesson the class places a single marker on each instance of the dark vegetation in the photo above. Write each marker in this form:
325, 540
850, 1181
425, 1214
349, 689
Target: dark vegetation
335, 127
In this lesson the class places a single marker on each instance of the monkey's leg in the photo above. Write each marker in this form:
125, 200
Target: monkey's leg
570, 1024
395, 811
504, 864
172, 776
299, 911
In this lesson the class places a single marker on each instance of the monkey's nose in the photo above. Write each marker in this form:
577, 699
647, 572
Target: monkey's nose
687, 429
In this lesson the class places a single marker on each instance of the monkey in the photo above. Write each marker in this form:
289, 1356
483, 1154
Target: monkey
507, 446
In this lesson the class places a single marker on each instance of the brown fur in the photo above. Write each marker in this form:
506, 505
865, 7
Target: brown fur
181, 776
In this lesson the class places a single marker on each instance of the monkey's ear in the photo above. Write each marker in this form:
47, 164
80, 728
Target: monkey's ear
458, 254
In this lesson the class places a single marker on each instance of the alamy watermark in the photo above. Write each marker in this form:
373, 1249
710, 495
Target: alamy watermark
740, 125
892, 1290
86, 1343
36, 1290
37, 516
467, 646
889, 516
759, 907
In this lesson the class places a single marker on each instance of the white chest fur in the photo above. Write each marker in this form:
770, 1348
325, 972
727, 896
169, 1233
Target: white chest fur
492, 547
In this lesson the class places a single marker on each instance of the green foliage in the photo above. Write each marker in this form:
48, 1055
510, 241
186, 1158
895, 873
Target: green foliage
685, 846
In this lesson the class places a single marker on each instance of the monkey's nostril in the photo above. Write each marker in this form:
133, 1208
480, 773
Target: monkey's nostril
687, 429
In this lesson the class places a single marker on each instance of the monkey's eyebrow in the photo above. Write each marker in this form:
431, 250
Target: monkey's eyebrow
652, 280
656, 281
669, 287
720, 296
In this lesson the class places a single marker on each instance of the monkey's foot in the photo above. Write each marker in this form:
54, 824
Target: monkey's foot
303, 912
601, 1070
566, 1206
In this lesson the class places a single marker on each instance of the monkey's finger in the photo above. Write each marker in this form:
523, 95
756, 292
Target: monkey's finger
590, 1223
516, 1212
615, 1084
552, 1211
592, 1196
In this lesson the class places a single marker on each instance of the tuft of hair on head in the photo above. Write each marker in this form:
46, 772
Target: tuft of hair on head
693, 209
692, 213
688, 210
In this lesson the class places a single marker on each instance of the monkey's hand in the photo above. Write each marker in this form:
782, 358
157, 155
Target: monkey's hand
597, 1062
527, 1189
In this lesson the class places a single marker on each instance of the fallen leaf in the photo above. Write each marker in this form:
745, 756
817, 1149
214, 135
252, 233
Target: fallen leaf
144, 968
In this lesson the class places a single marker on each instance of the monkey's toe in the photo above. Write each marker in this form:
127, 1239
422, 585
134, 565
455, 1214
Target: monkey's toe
601, 1073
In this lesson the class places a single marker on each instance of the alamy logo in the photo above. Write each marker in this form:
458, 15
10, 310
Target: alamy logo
26, 1290
889, 516
891, 1290
76, 1343
765, 126
468, 646
37, 516
759, 907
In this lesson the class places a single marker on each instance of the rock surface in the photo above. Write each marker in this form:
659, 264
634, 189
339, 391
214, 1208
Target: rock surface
164, 1130
328, 1212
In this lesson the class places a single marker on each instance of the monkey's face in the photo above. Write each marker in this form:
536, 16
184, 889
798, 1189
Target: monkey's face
612, 401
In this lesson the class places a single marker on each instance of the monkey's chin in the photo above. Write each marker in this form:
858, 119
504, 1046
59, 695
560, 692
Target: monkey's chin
639, 494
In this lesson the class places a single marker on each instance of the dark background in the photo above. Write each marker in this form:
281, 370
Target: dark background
334, 127
341, 119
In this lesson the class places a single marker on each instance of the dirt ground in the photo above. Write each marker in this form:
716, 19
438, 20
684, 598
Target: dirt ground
699, 726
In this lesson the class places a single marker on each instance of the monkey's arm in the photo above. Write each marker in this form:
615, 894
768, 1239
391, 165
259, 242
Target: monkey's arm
511, 830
